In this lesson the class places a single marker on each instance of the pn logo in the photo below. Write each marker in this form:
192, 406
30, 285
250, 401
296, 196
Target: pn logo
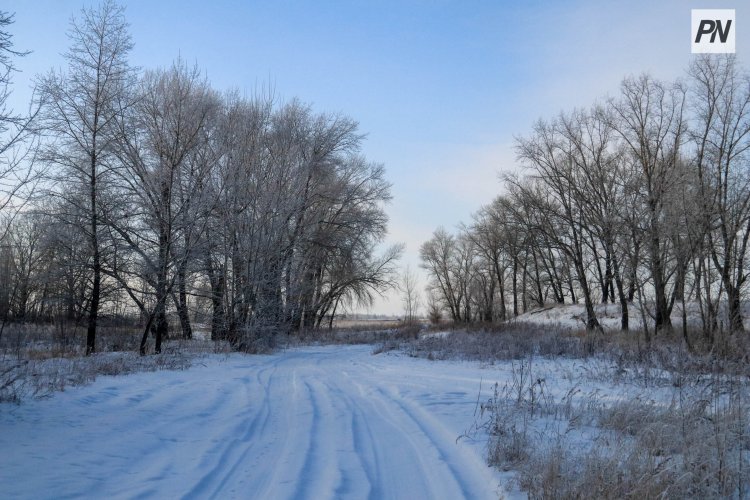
713, 31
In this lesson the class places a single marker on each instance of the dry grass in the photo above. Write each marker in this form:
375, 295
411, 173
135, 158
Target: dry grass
694, 444
34, 378
37, 360
385, 339
646, 452
666, 356
503, 342
367, 324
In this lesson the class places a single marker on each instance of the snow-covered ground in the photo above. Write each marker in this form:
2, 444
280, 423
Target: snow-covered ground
609, 315
338, 421
312, 422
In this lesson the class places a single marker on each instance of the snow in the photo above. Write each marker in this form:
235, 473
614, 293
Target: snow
311, 422
608, 315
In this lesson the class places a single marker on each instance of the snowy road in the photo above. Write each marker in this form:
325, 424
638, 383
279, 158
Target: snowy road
316, 422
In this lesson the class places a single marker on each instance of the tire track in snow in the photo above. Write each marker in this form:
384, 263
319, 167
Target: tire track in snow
375, 439
357, 458
437, 437
403, 469
236, 450
311, 468
275, 469
464, 467
407, 433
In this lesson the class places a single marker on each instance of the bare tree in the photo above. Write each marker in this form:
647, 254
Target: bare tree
298, 214
410, 296
487, 235
26, 241
554, 199
599, 189
721, 100
17, 140
649, 119
81, 110
439, 256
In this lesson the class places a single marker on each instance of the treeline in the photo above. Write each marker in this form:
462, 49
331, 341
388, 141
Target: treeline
157, 196
642, 201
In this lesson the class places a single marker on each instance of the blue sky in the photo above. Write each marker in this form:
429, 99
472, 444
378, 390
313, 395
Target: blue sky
440, 87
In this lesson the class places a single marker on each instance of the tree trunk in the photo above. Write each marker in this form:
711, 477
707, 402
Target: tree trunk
182, 305
735, 314
160, 312
515, 287
96, 264
501, 289
662, 320
609, 288
538, 282
592, 323
218, 312
624, 316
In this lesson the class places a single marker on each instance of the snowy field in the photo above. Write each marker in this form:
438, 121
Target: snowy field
313, 422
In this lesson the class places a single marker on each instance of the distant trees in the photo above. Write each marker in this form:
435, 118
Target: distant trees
410, 296
642, 200
440, 260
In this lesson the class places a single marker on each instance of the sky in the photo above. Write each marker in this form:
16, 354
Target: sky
441, 88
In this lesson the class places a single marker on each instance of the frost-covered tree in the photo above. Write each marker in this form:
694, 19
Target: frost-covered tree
81, 109
161, 178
